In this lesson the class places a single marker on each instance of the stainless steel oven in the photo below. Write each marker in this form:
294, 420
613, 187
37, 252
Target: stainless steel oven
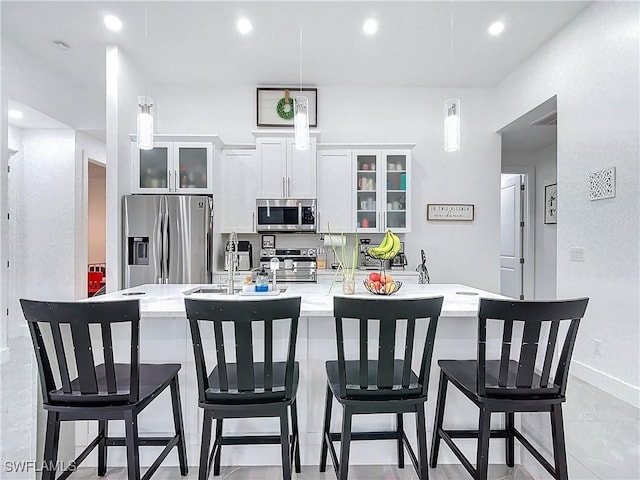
285, 215
296, 264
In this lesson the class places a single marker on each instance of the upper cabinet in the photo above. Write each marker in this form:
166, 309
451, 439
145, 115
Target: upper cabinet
286, 172
237, 199
382, 197
335, 197
176, 164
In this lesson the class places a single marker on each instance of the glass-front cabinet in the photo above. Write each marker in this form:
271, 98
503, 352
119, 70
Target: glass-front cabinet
382, 190
173, 167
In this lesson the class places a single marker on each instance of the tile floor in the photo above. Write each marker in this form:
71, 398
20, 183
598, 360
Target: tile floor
603, 443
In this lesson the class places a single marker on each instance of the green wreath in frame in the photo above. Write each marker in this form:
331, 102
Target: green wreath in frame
280, 108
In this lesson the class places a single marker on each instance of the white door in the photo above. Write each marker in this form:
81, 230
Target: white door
237, 200
301, 171
335, 197
273, 163
510, 236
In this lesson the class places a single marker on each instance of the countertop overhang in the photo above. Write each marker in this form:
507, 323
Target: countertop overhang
161, 301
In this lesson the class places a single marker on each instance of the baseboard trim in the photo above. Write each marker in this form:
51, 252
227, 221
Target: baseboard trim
616, 387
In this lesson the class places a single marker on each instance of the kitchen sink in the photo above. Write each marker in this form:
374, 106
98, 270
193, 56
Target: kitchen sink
212, 289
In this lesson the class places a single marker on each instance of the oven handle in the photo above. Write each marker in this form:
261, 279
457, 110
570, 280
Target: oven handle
299, 215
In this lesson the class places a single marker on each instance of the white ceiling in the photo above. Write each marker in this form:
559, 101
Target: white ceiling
527, 134
197, 42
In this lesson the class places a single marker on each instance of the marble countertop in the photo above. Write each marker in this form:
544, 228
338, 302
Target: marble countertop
157, 301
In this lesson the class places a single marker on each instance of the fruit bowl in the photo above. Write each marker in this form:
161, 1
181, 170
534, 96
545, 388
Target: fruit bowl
388, 288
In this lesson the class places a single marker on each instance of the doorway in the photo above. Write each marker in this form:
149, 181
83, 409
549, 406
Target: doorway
96, 227
529, 154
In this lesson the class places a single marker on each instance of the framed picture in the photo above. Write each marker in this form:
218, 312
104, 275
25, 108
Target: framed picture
551, 203
450, 211
274, 111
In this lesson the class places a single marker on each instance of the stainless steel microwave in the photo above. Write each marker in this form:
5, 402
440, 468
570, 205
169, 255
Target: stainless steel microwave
285, 215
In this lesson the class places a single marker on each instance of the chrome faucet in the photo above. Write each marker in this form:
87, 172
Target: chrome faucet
232, 260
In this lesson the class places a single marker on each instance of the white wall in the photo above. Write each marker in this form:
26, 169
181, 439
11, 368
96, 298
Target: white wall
592, 67
456, 252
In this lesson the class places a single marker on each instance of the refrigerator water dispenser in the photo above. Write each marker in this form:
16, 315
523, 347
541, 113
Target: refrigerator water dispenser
138, 250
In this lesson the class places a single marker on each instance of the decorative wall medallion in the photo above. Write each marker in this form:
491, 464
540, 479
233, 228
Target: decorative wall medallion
602, 184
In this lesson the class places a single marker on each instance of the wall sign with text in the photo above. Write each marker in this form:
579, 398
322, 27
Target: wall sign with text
450, 211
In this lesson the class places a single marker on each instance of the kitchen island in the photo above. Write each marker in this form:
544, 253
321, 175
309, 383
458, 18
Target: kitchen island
165, 338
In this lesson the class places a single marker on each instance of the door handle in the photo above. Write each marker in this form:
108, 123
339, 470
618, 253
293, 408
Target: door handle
169, 184
253, 222
283, 194
288, 186
175, 179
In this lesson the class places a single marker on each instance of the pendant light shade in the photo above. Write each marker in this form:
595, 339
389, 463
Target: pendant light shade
452, 125
301, 122
145, 123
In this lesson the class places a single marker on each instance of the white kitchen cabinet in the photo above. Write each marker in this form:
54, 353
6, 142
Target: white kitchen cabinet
382, 198
236, 204
335, 197
286, 172
176, 164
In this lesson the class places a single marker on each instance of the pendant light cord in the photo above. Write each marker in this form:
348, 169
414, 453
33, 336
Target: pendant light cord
301, 59
451, 45
146, 53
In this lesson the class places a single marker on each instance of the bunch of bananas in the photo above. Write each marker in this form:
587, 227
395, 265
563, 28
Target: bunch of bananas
388, 248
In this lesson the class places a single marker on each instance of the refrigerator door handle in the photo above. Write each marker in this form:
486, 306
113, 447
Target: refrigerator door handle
165, 248
157, 247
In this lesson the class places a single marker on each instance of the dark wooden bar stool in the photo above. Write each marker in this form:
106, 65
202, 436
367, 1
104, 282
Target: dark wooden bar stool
530, 333
384, 385
246, 388
62, 332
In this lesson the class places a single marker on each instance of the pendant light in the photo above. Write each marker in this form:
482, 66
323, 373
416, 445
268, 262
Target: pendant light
145, 116
301, 113
451, 110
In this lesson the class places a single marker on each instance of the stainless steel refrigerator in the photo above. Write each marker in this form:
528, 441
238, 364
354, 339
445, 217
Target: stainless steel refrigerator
167, 239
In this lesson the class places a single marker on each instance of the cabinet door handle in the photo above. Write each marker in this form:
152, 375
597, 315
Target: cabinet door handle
169, 184
288, 186
175, 179
253, 222
283, 193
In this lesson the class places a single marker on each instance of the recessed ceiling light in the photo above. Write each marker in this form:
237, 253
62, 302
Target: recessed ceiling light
113, 23
496, 28
15, 114
244, 25
370, 26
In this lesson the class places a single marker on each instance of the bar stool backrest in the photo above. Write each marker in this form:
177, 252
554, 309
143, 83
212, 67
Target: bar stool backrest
67, 325
245, 320
389, 313
529, 350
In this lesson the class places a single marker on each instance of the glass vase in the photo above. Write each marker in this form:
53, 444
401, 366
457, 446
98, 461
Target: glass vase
348, 285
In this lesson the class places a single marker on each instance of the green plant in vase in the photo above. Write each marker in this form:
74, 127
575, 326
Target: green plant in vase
346, 265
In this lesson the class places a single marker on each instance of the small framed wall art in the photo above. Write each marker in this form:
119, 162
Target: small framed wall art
551, 203
461, 212
274, 106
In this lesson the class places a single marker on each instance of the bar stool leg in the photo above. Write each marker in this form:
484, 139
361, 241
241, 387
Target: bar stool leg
284, 444
326, 425
133, 454
296, 437
484, 430
509, 426
217, 444
178, 425
421, 428
204, 446
51, 446
345, 443
103, 429
559, 451
400, 430
437, 424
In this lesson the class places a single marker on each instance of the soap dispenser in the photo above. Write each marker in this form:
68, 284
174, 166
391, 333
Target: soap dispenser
262, 281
